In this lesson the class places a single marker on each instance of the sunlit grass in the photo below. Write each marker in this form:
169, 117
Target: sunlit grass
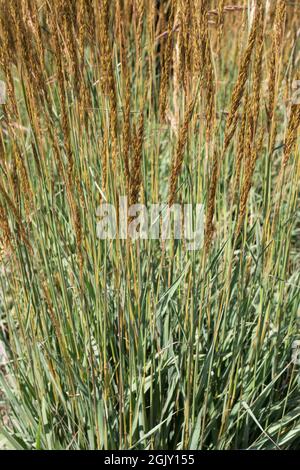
117, 344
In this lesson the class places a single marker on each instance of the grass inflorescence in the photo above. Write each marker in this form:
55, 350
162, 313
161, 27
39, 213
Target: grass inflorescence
122, 344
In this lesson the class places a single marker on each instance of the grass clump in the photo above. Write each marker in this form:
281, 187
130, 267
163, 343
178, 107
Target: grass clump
116, 344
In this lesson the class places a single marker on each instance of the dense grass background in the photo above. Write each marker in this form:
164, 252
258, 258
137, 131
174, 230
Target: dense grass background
115, 344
